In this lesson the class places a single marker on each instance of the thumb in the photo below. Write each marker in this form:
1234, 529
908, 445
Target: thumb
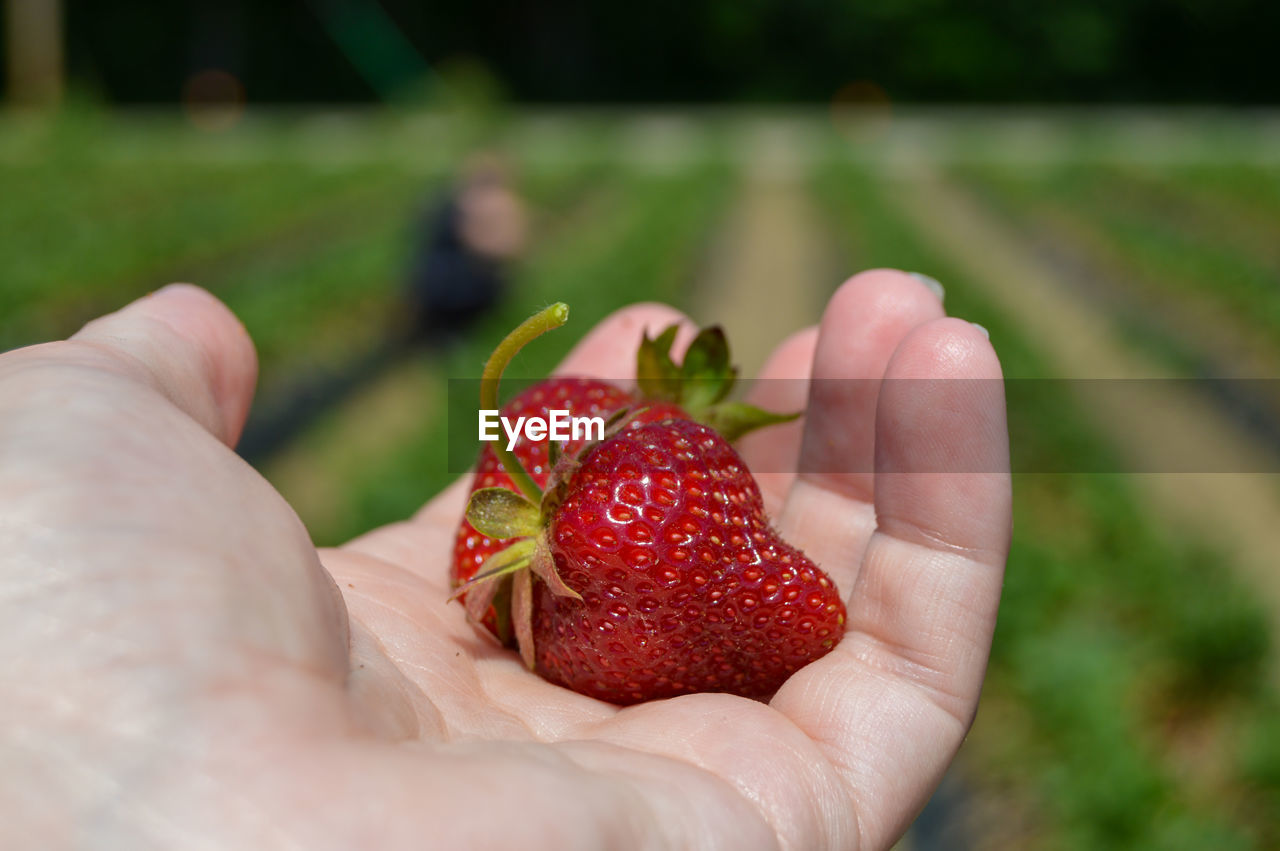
189, 347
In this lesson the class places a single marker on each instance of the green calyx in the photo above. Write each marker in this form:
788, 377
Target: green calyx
501, 514
701, 383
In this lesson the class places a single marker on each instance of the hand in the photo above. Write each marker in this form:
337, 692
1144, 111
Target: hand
180, 666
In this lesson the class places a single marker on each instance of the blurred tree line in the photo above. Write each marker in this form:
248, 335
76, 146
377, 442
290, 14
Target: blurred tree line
1077, 51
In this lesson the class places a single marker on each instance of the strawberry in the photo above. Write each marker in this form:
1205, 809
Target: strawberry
646, 568
680, 583
699, 385
582, 397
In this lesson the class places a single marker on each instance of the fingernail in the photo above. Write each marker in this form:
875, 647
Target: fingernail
931, 283
984, 331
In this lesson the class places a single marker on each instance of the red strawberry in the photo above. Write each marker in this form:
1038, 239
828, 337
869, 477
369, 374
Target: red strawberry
683, 585
646, 569
581, 397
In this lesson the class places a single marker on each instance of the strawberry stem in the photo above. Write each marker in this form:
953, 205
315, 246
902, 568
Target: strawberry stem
529, 330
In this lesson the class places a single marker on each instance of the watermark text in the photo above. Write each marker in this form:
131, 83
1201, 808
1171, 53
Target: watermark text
558, 425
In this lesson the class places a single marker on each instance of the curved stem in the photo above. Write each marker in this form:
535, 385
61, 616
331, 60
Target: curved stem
532, 328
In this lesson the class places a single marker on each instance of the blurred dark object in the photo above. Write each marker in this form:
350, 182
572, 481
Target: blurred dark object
464, 244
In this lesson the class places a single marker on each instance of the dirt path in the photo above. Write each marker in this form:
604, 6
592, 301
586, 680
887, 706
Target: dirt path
1239, 514
768, 273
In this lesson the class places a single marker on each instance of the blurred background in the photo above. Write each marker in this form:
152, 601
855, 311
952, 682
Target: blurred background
1097, 182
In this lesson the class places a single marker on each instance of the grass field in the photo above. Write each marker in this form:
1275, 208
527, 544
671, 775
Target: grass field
1132, 697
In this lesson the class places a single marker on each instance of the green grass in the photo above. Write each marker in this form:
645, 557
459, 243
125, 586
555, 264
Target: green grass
80, 238
1119, 645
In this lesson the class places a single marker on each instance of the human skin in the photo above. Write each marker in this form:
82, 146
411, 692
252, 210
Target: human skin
180, 667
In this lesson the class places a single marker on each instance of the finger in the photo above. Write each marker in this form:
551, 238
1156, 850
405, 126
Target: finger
187, 345
828, 510
609, 349
894, 700
783, 386
864, 323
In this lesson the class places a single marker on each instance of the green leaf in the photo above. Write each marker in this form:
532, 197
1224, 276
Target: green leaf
734, 419
656, 374
706, 374
707, 356
700, 384
501, 513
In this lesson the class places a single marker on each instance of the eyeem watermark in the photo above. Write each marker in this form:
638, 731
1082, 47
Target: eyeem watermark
558, 426
1052, 423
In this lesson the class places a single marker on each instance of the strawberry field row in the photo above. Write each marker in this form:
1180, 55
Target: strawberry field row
1191, 249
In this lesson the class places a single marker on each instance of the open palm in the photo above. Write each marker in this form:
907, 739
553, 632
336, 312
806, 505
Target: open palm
180, 666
